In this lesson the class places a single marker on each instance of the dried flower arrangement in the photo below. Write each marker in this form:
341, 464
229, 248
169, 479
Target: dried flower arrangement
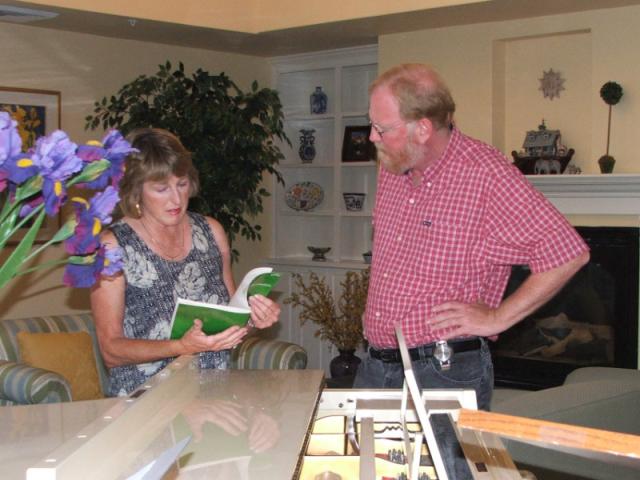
340, 323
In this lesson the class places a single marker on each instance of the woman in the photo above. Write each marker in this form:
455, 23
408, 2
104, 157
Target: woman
168, 253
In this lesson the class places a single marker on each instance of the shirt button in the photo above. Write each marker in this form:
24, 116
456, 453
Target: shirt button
412, 201
429, 184
377, 314
385, 275
399, 238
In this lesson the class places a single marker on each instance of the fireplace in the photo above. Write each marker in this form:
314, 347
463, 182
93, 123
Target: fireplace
592, 321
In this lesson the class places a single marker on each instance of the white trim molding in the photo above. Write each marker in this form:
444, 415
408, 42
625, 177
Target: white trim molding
617, 194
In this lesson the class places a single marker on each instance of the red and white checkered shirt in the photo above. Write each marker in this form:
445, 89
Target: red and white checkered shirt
454, 238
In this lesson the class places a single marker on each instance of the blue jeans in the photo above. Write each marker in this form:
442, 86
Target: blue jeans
468, 370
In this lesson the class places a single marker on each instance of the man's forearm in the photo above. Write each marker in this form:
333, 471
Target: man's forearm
537, 290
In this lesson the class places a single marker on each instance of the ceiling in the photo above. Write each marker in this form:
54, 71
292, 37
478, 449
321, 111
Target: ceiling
361, 31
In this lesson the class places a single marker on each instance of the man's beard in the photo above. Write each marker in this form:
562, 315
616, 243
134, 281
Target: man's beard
399, 163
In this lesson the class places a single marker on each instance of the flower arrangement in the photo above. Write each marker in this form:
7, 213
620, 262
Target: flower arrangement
34, 184
342, 326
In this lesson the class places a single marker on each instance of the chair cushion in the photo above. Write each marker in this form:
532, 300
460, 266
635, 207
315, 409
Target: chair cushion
257, 354
21, 384
68, 354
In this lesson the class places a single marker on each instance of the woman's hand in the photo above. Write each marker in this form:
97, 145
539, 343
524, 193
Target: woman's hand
223, 413
196, 341
264, 311
264, 432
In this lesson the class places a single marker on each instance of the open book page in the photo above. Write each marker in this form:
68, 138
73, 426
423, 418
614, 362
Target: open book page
216, 318
250, 285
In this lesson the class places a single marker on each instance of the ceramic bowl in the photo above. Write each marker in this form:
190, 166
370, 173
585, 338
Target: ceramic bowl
367, 257
319, 252
353, 201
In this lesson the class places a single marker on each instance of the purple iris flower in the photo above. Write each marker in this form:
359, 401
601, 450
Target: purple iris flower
3, 179
30, 205
115, 149
86, 273
83, 275
18, 168
91, 216
10, 141
55, 156
113, 262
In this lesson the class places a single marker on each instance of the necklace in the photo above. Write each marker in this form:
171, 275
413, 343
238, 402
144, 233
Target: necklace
163, 248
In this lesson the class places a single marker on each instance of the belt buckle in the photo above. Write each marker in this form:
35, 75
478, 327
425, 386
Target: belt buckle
388, 356
443, 353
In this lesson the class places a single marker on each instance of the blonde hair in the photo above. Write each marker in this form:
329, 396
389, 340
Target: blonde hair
420, 93
160, 154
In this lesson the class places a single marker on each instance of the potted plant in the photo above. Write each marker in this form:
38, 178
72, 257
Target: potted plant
611, 93
339, 322
231, 134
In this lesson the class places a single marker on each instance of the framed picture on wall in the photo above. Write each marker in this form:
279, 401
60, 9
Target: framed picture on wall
356, 146
38, 113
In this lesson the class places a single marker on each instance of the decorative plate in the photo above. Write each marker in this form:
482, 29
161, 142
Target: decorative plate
304, 196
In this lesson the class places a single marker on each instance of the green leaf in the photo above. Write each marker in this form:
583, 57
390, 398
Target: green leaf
7, 225
11, 265
90, 172
29, 188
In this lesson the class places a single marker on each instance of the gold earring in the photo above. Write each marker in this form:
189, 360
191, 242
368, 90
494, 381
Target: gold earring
138, 210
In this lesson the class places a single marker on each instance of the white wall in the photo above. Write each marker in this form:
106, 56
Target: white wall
492, 69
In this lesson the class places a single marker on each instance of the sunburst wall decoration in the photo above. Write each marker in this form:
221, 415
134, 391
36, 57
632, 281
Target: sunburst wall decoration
551, 84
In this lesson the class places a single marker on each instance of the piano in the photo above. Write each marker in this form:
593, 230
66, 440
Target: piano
271, 424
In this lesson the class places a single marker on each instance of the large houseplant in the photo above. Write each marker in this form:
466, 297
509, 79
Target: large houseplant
339, 322
230, 132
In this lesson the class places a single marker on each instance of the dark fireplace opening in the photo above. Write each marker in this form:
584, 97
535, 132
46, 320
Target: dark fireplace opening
592, 321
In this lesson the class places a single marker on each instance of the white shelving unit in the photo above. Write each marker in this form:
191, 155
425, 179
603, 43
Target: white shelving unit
344, 76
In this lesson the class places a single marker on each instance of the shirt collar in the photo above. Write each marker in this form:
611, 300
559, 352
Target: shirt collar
433, 171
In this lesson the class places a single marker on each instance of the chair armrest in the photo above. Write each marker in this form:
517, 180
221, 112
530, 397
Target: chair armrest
22, 384
259, 354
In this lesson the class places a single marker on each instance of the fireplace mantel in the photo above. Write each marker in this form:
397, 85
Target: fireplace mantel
617, 194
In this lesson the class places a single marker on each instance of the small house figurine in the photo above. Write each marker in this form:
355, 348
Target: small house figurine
542, 152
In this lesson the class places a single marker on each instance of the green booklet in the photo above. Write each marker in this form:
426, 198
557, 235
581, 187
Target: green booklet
216, 318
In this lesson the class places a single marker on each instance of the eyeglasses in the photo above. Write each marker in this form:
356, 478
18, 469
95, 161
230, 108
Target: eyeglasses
382, 131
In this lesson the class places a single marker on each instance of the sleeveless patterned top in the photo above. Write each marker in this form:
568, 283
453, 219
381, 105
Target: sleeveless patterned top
152, 287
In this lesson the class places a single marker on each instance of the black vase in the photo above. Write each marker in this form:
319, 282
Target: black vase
345, 364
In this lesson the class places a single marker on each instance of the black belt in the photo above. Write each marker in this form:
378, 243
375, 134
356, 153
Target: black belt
391, 355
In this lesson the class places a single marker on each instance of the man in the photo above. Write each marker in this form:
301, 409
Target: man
451, 217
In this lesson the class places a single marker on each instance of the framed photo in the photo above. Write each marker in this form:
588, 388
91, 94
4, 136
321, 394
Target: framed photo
38, 113
356, 146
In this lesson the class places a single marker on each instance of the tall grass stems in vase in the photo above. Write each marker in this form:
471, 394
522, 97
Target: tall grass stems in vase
339, 322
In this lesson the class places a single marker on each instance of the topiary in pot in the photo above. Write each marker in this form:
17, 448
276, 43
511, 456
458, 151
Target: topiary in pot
231, 134
611, 93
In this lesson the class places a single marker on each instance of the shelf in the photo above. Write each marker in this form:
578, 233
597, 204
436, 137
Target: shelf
355, 114
302, 213
310, 117
344, 76
368, 164
348, 213
303, 166
307, 262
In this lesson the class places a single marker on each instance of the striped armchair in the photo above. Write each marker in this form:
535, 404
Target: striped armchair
22, 384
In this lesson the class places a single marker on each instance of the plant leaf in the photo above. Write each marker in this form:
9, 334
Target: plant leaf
11, 265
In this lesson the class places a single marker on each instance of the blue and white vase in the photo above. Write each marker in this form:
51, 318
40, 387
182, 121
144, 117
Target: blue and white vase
318, 101
307, 150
